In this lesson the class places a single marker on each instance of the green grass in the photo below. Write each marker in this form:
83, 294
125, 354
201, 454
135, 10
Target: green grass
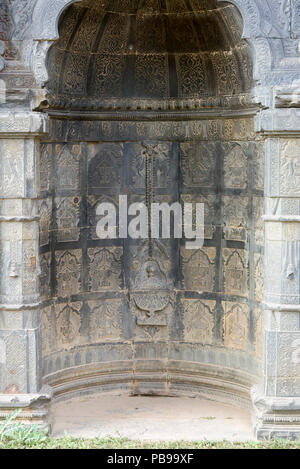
15, 435
122, 443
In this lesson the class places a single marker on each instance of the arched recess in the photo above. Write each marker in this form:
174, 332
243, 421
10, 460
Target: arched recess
159, 120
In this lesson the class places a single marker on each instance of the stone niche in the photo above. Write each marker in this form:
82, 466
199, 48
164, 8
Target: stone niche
151, 99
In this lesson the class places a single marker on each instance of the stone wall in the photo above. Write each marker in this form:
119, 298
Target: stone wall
88, 315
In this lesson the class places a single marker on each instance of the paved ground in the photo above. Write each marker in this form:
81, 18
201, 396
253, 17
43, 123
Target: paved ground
151, 418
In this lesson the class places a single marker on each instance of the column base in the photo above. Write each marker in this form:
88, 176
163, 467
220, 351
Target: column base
35, 408
276, 417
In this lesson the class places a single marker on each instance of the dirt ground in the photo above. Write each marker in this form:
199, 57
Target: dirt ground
151, 418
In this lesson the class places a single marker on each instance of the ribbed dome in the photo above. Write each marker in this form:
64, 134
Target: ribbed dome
148, 49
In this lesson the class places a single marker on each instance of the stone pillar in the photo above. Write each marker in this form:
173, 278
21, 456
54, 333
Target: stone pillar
277, 402
20, 332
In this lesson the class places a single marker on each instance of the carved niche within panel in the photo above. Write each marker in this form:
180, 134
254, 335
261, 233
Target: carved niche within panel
235, 217
67, 215
68, 323
198, 164
199, 269
236, 325
105, 166
67, 166
68, 270
199, 321
236, 271
106, 320
235, 167
105, 271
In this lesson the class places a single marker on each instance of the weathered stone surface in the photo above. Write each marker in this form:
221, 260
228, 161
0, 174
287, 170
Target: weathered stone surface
175, 119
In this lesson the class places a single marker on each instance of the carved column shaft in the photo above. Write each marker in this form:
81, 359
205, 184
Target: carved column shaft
20, 333
279, 401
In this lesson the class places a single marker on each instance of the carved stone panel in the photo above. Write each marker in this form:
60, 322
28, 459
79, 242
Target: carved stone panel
198, 164
67, 167
105, 268
235, 218
290, 168
235, 271
67, 215
235, 168
199, 269
199, 321
68, 272
105, 320
68, 323
236, 325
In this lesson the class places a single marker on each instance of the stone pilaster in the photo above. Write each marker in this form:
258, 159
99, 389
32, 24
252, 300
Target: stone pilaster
20, 332
277, 402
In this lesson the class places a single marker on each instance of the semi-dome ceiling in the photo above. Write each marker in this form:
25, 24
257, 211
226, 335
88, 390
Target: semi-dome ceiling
147, 49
